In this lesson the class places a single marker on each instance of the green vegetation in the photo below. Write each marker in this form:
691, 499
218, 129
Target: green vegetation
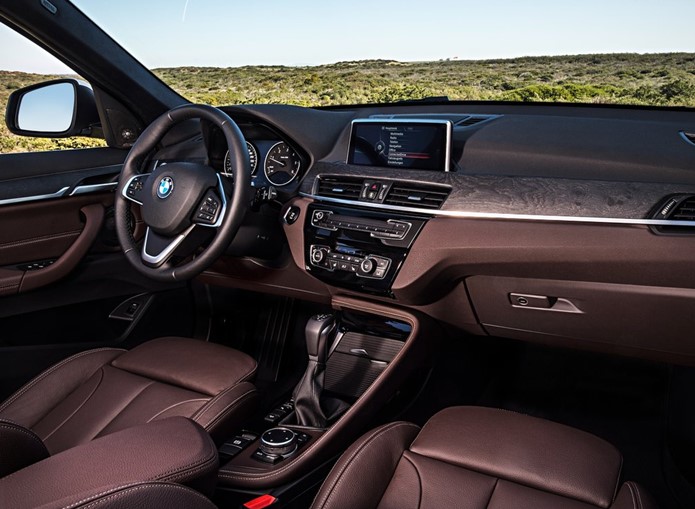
655, 80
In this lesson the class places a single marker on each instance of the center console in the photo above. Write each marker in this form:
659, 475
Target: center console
370, 350
357, 249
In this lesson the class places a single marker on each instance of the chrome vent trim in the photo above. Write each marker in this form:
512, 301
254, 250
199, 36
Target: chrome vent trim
406, 195
339, 187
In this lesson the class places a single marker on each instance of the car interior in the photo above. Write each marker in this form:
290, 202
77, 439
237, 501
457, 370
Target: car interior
421, 304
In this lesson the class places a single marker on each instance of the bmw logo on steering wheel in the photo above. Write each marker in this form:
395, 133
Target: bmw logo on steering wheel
166, 186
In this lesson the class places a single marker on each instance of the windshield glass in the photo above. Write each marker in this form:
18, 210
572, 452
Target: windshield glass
322, 53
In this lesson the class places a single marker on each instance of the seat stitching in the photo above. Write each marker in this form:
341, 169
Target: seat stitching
250, 375
173, 406
51, 370
634, 493
34, 240
492, 493
366, 441
190, 468
211, 401
116, 492
18, 427
152, 382
72, 414
419, 480
229, 407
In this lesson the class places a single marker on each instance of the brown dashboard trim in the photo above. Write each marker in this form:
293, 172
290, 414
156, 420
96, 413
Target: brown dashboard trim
536, 197
576, 252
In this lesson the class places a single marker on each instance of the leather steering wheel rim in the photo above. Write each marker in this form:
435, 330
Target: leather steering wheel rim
236, 204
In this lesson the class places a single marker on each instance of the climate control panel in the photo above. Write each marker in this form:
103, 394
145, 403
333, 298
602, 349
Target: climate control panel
369, 266
356, 248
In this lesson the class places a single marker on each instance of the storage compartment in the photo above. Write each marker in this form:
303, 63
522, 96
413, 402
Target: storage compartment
652, 322
356, 362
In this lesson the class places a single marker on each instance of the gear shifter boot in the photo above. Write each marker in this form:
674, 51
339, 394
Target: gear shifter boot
307, 394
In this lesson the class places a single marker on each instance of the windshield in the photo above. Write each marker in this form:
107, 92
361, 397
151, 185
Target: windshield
331, 53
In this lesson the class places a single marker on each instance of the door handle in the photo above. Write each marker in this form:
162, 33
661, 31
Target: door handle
94, 218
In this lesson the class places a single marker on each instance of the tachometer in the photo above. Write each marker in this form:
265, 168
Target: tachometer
282, 164
253, 158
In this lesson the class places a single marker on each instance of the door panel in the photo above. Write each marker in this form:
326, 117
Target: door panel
50, 311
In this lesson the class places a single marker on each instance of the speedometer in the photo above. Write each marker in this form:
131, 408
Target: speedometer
253, 159
282, 164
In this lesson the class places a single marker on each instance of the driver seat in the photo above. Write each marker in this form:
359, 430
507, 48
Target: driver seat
97, 392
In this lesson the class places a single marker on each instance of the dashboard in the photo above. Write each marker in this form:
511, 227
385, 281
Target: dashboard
567, 225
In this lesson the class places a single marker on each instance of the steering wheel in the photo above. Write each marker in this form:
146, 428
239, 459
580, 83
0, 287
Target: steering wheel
178, 198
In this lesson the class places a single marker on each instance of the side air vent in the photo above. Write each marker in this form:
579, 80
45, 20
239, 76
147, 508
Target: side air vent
677, 208
416, 195
685, 210
340, 187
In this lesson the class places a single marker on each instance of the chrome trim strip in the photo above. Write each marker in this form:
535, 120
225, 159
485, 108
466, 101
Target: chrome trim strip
494, 215
38, 197
449, 129
686, 138
166, 253
93, 188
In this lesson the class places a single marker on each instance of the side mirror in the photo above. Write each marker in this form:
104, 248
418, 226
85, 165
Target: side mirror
53, 109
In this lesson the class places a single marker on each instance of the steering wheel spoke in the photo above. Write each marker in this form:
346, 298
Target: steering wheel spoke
212, 207
158, 249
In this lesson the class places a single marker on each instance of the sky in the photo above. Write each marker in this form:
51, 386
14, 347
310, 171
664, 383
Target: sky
231, 33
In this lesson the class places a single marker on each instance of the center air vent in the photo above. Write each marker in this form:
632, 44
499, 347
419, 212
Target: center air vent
416, 195
340, 187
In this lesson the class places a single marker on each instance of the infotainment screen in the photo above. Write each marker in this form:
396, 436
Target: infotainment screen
412, 144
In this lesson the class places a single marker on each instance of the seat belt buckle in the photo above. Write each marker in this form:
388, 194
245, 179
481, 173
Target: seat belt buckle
260, 502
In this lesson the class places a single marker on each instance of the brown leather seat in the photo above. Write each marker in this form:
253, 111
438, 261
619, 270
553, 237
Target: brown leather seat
473, 457
98, 392
153, 465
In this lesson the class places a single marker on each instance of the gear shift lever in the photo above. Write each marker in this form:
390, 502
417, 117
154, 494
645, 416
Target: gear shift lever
307, 394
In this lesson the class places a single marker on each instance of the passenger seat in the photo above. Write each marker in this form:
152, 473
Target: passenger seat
475, 458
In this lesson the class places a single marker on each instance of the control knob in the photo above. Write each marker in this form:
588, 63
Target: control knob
367, 266
278, 441
318, 255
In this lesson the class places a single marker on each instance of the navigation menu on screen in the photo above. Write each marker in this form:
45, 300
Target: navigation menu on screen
416, 144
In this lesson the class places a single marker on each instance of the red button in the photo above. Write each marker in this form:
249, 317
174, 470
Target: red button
260, 502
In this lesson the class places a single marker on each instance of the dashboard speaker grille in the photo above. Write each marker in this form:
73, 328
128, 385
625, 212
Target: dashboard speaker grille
340, 187
417, 195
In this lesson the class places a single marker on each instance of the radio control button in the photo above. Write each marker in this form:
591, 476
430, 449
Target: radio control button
381, 263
